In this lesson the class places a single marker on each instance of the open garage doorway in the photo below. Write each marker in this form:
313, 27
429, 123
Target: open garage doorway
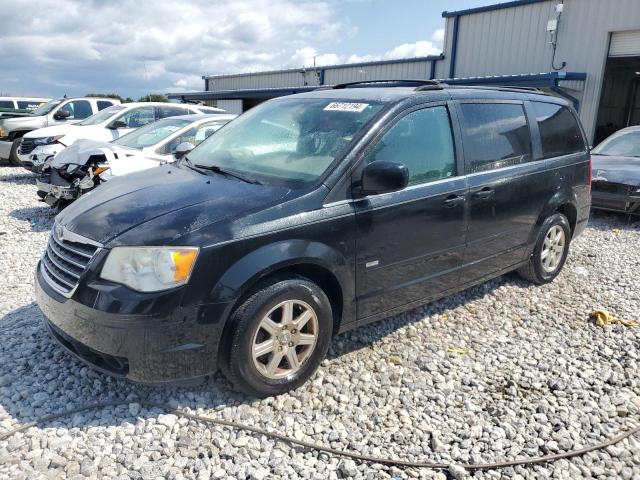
620, 98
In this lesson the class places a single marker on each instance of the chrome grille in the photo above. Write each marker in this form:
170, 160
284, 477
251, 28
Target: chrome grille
64, 261
27, 146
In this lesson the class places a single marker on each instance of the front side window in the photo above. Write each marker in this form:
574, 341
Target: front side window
152, 133
102, 116
7, 104
559, 130
422, 141
137, 117
495, 135
622, 144
290, 141
77, 109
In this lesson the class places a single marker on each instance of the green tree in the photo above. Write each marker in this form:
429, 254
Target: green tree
154, 97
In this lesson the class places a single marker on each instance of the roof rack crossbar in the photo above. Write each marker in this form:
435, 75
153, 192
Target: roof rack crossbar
418, 83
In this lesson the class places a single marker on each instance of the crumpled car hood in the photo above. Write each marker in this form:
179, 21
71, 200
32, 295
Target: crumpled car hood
121, 160
625, 170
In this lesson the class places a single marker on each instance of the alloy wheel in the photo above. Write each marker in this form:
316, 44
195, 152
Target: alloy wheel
285, 339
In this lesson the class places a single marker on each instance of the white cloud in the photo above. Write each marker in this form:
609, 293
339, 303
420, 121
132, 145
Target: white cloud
133, 47
305, 56
438, 38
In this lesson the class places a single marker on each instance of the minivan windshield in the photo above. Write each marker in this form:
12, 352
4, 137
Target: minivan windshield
153, 133
102, 115
290, 141
620, 145
46, 107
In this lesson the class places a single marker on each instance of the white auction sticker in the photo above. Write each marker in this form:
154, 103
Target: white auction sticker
346, 107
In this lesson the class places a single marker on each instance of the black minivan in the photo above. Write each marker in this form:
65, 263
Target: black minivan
310, 215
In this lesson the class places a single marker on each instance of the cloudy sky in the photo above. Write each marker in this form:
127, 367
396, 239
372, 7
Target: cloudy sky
133, 47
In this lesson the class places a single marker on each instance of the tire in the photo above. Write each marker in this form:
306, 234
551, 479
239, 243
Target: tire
548, 257
13, 155
257, 377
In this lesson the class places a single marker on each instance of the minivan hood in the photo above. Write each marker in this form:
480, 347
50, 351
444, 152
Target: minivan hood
186, 199
624, 170
51, 131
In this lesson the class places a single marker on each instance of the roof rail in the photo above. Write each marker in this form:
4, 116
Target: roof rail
418, 83
503, 88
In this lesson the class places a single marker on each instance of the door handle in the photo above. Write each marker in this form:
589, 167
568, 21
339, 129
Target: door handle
485, 193
453, 201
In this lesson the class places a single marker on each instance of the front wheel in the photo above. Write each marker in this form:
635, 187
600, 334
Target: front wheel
550, 251
280, 336
13, 155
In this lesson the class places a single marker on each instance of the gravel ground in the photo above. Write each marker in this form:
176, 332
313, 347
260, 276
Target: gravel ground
499, 371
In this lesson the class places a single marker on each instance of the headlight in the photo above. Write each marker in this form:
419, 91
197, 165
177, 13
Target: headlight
47, 140
149, 269
4, 132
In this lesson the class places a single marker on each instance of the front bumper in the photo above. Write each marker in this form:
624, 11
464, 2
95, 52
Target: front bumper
145, 348
616, 202
58, 192
5, 149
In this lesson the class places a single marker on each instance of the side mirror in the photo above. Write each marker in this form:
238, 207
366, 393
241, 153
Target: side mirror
383, 177
183, 149
116, 124
61, 115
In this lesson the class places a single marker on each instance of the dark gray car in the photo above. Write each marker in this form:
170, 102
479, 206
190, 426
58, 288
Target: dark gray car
616, 172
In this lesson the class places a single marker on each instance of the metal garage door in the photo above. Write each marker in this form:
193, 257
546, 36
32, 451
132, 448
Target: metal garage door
625, 44
231, 106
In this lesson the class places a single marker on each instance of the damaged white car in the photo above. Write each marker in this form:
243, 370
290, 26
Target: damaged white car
86, 164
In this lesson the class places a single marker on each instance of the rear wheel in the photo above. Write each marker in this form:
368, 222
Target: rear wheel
13, 155
280, 336
550, 251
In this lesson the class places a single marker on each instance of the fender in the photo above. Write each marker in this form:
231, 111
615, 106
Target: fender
565, 196
244, 273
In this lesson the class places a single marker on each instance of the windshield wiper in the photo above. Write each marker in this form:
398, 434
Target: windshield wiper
223, 171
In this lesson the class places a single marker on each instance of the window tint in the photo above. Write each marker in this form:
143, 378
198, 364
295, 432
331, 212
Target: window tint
495, 135
102, 104
138, 117
164, 112
422, 141
559, 131
7, 104
78, 109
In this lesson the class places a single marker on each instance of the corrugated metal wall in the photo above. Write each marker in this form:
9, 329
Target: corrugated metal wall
283, 78
400, 70
332, 75
515, 41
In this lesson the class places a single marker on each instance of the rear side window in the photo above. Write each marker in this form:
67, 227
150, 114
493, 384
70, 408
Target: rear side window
559, 130
422, 141
102, 104
164, 112
6, 104
495, 135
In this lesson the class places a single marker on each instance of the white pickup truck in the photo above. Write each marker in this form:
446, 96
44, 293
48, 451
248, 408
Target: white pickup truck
54, 112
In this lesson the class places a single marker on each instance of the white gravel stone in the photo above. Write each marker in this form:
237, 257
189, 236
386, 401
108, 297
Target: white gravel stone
536, 376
